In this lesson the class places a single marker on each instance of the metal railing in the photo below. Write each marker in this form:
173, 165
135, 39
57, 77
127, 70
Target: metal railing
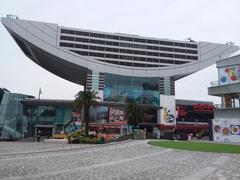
218, 106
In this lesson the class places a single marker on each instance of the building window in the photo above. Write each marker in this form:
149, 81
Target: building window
125, 38
152, 41
179, 44
191, 51
99, 48
68, 38
66, 31
180, 50
125, 51
166, 43
66, 44
81, 33
191, 45
97, 35
112, 37
82, 40
81, 46
140, 40
125, 57
96, 54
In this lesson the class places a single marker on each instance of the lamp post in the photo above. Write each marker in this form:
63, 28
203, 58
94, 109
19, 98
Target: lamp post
38, 102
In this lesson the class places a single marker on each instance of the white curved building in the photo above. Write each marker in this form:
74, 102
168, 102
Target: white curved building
119, 66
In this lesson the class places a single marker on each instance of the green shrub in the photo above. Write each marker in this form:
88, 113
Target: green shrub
92, 136
91, 140
77, 137
202, 133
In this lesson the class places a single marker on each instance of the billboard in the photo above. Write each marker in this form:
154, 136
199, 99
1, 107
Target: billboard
168, 113
99, 115
194, 113
229, 74
117, 115
76, 121
226, 130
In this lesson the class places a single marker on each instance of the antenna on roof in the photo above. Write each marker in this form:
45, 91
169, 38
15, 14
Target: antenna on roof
190, 39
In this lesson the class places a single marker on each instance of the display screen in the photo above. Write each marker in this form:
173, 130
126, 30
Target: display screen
131, 89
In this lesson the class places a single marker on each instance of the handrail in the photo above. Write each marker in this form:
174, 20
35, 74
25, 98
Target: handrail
218, 106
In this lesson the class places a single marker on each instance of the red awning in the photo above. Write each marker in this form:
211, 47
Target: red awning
166, 127
105, 126
184, 127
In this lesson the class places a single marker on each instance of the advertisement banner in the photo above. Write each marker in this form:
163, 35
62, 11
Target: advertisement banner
226, 130
117, 115
229, 74
168, 113
195, 112
76, 121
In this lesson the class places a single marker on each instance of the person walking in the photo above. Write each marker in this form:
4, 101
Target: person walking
158, 134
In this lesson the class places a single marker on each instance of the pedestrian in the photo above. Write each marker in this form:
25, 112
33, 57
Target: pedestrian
25, 134
39, 136
158, 134
174, 134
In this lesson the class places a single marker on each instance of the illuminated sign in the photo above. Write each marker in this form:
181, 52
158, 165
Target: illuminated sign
203, 107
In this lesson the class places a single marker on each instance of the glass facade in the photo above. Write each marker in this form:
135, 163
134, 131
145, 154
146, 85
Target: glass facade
131, 89
20, 116
13, 123
56, 117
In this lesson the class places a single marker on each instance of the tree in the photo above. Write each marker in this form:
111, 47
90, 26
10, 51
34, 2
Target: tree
86, 100
134, 113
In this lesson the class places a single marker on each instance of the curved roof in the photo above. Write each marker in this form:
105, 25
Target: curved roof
40, 42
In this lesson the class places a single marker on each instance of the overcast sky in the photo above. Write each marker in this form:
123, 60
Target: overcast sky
202, 20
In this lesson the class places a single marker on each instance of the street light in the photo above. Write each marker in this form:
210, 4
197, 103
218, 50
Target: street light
38, 102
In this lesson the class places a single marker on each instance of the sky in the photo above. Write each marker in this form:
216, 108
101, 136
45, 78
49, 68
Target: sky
201, 20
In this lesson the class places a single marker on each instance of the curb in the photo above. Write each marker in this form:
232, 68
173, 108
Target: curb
61, 150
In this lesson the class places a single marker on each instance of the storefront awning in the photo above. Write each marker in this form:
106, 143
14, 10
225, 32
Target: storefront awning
195, 127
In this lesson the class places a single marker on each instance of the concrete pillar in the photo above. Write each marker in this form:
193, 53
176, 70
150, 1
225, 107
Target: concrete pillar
228, 101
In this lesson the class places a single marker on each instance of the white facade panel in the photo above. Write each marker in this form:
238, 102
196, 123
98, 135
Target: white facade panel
168, 113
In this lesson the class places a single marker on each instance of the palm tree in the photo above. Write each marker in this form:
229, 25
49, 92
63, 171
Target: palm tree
134, 113
86, 100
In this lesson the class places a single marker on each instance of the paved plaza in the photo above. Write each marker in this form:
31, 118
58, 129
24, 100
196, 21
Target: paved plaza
128, 160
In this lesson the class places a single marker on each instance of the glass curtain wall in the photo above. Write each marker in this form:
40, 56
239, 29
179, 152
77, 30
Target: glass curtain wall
13, 123
144, 90
48, 115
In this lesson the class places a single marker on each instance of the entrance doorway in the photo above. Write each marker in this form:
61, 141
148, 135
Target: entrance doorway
45, 130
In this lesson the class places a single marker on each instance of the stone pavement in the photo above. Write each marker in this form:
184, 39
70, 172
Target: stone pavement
129, 160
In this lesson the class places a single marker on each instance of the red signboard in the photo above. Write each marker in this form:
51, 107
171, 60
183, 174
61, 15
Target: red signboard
203, 107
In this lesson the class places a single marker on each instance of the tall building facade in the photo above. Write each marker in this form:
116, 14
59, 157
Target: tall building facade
120, 67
